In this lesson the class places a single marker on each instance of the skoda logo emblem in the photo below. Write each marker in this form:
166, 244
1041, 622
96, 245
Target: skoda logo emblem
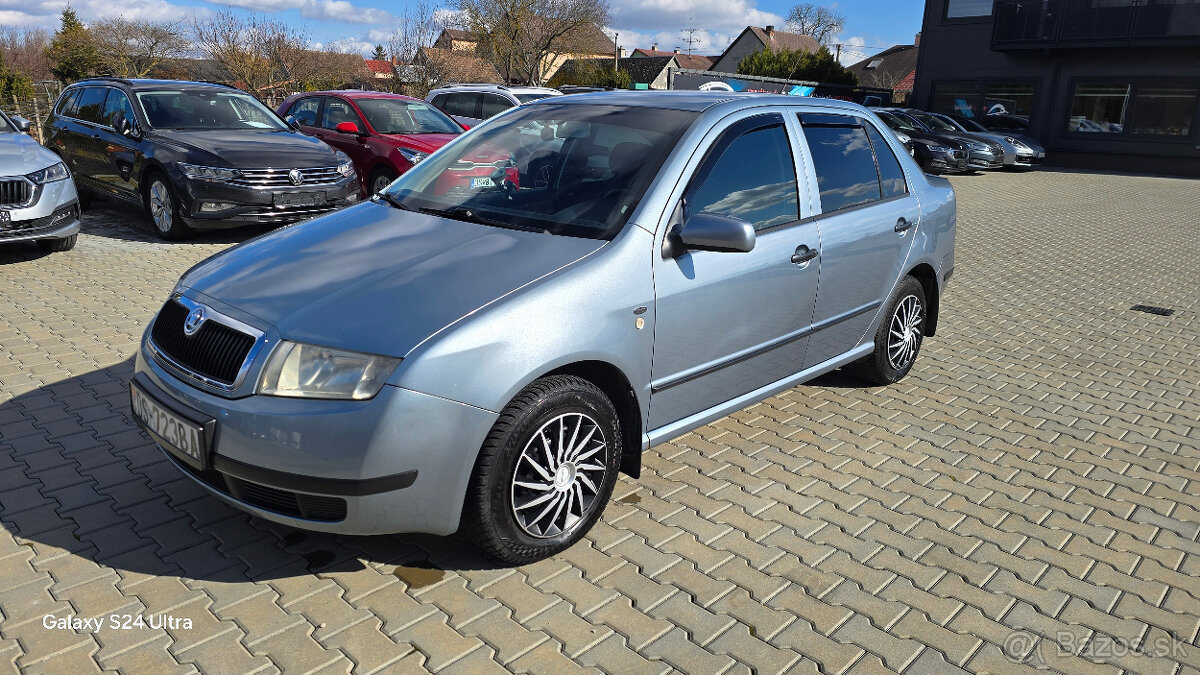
195, 319
295, 176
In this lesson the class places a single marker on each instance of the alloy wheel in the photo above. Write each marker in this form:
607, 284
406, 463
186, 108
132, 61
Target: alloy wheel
905, 332
381, 182
559, 475
162, 211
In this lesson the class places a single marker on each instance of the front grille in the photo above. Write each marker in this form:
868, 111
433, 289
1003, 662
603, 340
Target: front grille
264, 178
288, 214
215, 352
15, 192
960, 154
283, 502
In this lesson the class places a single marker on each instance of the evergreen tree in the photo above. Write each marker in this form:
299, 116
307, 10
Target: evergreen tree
380, 54
797, 65
13, 83
72, 53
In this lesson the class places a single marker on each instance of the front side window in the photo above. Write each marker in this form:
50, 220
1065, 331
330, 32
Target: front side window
493, 104
66, 105
305, 110
960, 9
338, 111
91, 104
400, 116
1098, 108
117, 103
555, 169
196, 109
1163, 111
752, 178
845, 166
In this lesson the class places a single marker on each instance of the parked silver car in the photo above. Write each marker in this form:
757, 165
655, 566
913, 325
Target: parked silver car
1019, 150
37, 194
489, 354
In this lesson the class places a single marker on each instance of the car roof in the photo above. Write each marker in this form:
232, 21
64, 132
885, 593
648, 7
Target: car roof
695, 101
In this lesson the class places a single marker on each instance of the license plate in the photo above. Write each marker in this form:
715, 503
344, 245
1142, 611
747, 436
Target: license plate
1041, 155
5, 217
299, 198
179, 436
483, 182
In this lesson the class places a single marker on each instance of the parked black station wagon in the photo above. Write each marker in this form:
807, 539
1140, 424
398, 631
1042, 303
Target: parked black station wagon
195, 155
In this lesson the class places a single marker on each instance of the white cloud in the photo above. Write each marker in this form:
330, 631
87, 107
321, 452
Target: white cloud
318, 10
706, 42
853, 49
719, 21
45, 13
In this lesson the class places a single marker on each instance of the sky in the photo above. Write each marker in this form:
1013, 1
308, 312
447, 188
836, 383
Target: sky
357, 25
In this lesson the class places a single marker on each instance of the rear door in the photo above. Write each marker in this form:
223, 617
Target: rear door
868, 219
80, 138
462, 106
729, 323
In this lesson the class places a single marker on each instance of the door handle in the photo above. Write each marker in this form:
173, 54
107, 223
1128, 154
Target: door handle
903, 224
803, 254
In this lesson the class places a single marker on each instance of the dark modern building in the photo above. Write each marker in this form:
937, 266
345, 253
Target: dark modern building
1105, 84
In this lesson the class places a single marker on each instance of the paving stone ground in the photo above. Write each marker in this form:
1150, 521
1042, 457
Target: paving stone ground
1029, 498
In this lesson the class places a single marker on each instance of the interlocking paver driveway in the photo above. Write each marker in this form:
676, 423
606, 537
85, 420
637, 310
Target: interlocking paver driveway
1031, 493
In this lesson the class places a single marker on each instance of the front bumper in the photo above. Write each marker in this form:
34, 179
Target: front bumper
949, 162
53, 215
254, 205
399, 462
985, 160
1030, 159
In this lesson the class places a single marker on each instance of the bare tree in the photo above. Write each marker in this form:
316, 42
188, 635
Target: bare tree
135, 47
25, 52
253, 51
416, 30
816, 21
524, 37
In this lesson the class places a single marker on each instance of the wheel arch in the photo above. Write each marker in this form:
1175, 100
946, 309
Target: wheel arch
925, 274
617, 388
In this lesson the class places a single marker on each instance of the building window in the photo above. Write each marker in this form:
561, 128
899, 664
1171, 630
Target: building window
961, 9
976, 99
1008, 98
1163, 111
956, 98
1098, 108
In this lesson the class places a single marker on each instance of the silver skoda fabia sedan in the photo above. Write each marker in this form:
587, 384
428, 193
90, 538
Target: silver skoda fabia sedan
486, 343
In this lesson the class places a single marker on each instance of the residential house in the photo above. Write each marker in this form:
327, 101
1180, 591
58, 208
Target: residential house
894, 68
755, 39
646, 70
585, 42
689, 61
456, 40
381, 70
445, 66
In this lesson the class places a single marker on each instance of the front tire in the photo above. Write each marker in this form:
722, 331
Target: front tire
545, 472
380, 179
898, 339
162, 204
56, 245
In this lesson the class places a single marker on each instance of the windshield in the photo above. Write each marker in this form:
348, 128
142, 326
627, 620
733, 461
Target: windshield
207, 109
563, 169
934, 123
526, 98
398, 116
970, 124
895, 121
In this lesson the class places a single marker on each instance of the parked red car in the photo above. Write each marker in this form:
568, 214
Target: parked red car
385, 134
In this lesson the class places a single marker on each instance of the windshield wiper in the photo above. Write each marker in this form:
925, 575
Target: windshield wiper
393, 201
468, 215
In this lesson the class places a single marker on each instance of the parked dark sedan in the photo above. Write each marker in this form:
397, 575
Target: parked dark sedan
981, 153
195, 155
935, 153
385, 134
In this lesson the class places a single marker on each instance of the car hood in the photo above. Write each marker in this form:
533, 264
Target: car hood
375, 279
426, 143
21, 154
254, 149
943, 139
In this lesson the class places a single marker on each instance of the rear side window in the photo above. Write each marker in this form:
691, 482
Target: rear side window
305, 110
749, 174
493, 104
116, 103
462, 105
891, 177
91, 104
842, 157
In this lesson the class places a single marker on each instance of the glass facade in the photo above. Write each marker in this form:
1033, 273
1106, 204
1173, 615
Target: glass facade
1163, 111
960, 9
1098, 108
1129, 108
976, 99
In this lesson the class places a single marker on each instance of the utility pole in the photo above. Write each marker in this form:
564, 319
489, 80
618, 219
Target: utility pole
691, 38
616, 52
838, 57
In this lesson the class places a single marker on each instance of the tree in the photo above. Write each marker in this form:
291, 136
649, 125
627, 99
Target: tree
797, 65
72, 53
821, 23
135, 47
591, 73
13, 83
380, 54
523, 37
418, 71
25, 52
253, 51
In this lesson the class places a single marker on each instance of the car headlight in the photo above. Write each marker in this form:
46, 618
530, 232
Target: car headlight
1016, 143
210, 174
413, 156
933, 146
345, 165
308, 371
50, 174
977, 146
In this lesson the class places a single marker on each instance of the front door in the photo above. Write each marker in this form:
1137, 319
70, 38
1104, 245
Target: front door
729, 323
117, 153
338, 110
868, 221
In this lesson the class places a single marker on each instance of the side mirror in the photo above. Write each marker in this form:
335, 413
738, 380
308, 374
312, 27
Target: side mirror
23, 125
711, 232
347, 128
292, 122
123, 126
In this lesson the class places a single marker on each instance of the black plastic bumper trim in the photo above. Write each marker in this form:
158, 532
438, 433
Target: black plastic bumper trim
340, 487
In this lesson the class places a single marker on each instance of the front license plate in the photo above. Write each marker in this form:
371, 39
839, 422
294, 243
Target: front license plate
299, 198
180, 437
483, 182
1041, 155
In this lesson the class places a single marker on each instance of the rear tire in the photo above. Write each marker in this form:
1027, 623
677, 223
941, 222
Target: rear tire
545, 472
56, 245
162, 205
898, 339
